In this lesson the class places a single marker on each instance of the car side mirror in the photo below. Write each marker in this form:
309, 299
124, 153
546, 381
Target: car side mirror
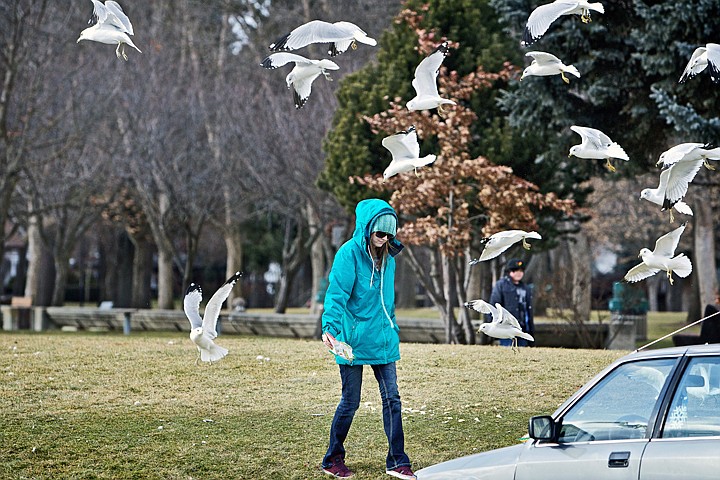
543, 427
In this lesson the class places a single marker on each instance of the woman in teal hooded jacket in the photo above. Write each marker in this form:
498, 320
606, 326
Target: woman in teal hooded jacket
360, 311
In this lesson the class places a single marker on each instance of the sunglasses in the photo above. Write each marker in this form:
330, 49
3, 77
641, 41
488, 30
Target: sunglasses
382, 235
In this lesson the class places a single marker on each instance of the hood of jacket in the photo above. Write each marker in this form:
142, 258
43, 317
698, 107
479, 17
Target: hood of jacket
366, 212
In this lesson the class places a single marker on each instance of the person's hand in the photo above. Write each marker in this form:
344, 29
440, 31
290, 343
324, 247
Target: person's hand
328, 339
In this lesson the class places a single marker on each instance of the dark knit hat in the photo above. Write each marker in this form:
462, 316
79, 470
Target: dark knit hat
514, 264
385, 223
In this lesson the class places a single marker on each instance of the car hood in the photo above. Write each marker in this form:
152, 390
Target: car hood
496, 465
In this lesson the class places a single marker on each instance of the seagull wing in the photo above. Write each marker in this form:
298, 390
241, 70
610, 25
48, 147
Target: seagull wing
116, 9
544, 15
543, 57
507, 318
483, 307
640, 272
680, 176
713, 56
584, 133
276, 60
425, 81
677, 153
212, 310
191, 305
99, 11
303, 87
665, 246
401, 144
694, 66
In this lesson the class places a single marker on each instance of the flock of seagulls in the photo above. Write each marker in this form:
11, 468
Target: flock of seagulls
680, 163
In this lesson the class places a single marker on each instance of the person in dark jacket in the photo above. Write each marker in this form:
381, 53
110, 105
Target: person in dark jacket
359, 310
515, 296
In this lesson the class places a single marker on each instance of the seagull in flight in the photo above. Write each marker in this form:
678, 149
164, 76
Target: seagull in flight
302, 76
595, 144
702, 58
425, 82
203, 330
674, 182
112, 27
340, 36
504, 325
662, 258
498, 242
405, 152
545, 64
689, 152
541, 18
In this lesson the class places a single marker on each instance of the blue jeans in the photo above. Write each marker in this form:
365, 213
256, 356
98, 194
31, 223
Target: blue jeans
506, 342
351, 376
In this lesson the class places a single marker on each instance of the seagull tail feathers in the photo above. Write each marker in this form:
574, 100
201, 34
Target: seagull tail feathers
598, 7
616, 151
427, 160
683, 208
681, 265
526, 336
572, 70
213, 354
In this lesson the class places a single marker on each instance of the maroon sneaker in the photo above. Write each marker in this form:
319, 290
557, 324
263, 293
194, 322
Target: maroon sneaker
338, 469
403, 472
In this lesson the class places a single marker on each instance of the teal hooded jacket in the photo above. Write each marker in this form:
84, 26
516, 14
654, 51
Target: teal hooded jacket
359, 304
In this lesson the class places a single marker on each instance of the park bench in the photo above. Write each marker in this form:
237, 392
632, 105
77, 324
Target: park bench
87, 318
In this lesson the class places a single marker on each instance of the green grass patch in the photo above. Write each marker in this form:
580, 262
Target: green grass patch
106, 406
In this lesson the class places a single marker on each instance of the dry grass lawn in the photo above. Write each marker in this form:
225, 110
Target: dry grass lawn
107, 406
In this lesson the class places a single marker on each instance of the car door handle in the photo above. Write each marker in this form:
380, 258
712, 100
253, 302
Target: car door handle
619, 460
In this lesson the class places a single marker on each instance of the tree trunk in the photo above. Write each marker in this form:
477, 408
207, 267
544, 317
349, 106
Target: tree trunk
165, 261
141, 273
118, 273
61, 274
461, 271
317, 259
234, 248
40, 272
165, 279
579, 249
233, 244
704, 251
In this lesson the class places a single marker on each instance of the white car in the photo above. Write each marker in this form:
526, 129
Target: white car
651, 415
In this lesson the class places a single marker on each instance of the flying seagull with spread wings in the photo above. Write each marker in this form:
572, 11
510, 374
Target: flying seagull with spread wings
504, 325
595, 144
425, 82
662, 258
545, 64
541, 18
498, 242
340, 36
673, 187
702, 58
112, 27
302, 76
203, 330
405, 152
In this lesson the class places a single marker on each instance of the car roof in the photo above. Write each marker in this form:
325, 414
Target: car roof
707, 349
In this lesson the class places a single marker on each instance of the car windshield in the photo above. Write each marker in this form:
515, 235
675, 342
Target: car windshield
619, 406
695, 408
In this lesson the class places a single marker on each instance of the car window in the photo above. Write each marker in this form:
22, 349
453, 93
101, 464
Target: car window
619, 406
695, 407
